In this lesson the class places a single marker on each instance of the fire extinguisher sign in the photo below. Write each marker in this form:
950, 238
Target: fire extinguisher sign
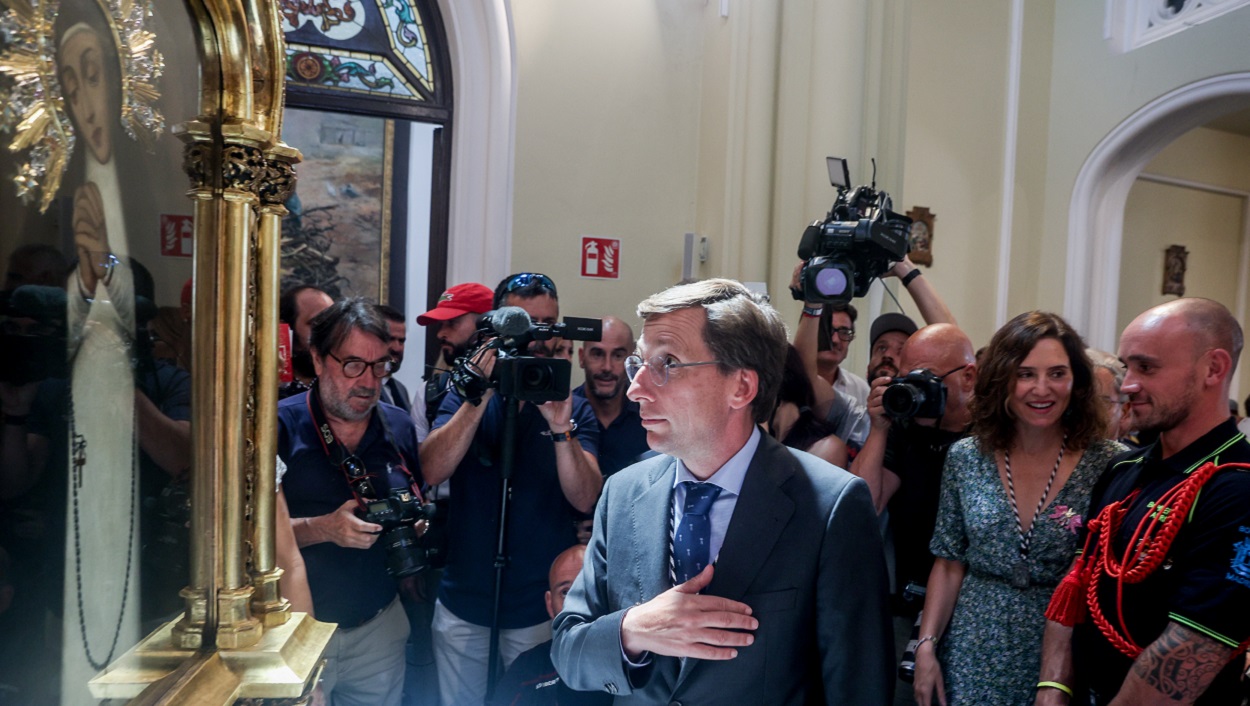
601, 257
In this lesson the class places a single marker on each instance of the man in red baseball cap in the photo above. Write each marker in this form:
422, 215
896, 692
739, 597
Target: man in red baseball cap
453, 320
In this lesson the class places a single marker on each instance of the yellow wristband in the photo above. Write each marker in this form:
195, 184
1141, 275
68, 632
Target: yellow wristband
1055, 685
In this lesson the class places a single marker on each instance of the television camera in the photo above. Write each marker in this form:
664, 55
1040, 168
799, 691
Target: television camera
510, 331
857, 242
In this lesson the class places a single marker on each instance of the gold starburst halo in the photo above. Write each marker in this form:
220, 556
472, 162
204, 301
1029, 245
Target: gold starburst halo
32, 107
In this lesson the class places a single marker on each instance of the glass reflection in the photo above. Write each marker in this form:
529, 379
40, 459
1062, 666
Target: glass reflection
95, 386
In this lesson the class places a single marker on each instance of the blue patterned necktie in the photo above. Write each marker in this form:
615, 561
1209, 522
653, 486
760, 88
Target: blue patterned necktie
693, 536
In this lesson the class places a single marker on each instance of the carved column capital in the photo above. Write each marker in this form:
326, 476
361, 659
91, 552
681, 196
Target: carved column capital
243, 168
278, 182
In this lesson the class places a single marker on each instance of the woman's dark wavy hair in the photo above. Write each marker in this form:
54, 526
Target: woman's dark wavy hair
1085, 419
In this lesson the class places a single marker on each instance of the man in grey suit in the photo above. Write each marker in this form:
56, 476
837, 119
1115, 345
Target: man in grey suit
731, 569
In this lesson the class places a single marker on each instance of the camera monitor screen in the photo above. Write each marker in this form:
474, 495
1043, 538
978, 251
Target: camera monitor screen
839, 174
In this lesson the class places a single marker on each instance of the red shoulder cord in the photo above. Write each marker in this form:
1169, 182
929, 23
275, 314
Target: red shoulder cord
1142, 556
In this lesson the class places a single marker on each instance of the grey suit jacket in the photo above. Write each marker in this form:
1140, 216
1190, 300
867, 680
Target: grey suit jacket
802, 549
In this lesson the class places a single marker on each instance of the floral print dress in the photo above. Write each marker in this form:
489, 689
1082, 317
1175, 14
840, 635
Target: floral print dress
991, 651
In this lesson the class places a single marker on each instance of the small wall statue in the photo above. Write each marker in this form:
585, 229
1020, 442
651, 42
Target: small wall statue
1175, 262
920, 235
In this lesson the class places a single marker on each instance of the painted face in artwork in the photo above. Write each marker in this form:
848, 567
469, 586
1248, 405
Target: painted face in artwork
87, 91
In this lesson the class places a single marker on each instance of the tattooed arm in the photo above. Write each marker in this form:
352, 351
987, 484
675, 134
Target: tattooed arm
1176, 668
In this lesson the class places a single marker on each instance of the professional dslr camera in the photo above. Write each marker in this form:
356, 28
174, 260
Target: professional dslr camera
857, 242
919, 393
509, 330
396, 513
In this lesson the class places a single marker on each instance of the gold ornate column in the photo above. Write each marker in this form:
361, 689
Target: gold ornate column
198, 163
243, 168
276, 187
237, 642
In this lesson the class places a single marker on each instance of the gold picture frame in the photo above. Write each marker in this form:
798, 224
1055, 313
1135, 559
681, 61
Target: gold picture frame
920, 235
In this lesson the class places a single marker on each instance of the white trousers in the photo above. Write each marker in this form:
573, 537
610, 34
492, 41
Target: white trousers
462, 651
365, 665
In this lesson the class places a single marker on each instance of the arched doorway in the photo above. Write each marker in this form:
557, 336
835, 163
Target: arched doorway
1096, 214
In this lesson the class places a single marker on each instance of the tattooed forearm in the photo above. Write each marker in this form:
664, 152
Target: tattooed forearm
1181, 663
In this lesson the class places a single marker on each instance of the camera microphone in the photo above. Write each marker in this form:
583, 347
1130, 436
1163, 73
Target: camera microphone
510, 321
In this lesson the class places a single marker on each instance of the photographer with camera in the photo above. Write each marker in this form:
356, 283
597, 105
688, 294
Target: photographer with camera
352, 491
556, 476
849, 415
916, 417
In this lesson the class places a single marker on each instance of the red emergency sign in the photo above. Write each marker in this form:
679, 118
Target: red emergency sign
601, 257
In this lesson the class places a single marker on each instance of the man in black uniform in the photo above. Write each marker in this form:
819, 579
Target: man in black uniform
532, 679
1188, 614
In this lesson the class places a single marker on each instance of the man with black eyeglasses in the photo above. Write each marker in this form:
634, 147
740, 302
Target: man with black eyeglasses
342, 448
837, 330
555, 478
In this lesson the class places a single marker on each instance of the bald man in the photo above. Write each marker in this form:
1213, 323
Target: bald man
902, 460
1189, 612
622, 439
532, 680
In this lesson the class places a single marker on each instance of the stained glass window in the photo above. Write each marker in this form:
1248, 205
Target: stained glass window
367, 49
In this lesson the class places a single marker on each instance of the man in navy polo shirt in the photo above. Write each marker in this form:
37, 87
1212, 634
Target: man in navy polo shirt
556, 476
342, 446
1186, 614
622, 440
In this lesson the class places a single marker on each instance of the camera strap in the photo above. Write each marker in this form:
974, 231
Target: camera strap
325, 433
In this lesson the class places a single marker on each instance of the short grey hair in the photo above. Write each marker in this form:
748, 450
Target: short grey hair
334, 324
1110, 363
743, 331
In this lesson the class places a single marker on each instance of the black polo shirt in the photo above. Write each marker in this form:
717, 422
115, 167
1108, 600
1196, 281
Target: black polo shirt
348, 586
916, 454
1204, 583
624, 442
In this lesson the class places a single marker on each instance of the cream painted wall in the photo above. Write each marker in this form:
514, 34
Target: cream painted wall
956, 111
646, 120
1032, 143
1211, 226
1093, 89
1160, 215
1208, 156
608, 106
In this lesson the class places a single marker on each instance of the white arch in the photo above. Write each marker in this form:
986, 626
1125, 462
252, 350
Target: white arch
483, 57
1096, 216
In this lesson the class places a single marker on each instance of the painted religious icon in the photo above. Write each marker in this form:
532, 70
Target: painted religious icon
1175, 262
920, 235
96, 548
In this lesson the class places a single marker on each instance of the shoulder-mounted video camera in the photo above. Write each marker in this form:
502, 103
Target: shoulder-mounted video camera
510, 331
857, 242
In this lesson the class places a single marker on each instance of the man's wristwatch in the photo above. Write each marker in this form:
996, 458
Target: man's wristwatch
561, 436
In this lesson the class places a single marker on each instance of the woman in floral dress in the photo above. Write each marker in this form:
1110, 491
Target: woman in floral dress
1013, 495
